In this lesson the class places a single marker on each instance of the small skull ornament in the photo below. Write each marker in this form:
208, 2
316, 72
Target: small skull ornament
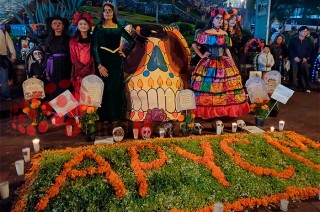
145, 132
118, 134
198, 128
168, 130
241, 123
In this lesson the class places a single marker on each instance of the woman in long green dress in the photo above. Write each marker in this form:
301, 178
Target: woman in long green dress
108, 58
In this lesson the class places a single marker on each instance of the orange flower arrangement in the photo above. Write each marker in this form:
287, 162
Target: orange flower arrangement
88, 118
260, 108
36, 111
186, 122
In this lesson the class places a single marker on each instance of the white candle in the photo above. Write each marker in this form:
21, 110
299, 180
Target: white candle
4, 189
219, 130
53, 120
281, 125
272, 129
26, 154
284, 204
135, 133
19, 167
234, 127
69, 130
161, 132
218, 207
36, 144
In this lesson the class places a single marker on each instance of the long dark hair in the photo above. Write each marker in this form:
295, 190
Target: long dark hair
78, 33
114, 17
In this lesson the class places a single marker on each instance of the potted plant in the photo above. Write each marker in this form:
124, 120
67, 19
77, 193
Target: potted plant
186, 123
87, 121
261, 110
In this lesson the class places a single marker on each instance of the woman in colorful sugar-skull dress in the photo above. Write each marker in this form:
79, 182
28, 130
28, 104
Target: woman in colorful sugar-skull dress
216, 81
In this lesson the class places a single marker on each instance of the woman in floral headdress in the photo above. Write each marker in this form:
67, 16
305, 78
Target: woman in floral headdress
216, 81
82, 61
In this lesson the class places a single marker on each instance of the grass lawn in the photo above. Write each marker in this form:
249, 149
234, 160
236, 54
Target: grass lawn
239, 170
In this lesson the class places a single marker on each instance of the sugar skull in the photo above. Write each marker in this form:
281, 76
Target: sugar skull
241, 123
197, 128
168, 130
118, 134
145, 132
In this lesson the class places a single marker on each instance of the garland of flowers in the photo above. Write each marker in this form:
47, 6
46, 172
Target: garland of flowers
257, 170
103, 167
253, 40
250, 202
206, 160
300, 140
287, 151
138, 167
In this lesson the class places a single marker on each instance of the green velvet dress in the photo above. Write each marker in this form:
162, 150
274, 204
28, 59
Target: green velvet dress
105, 43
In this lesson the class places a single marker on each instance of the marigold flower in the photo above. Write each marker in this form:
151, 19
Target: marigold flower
263, 107
90, 122
34, 105
193, 116
84, 107
181, 117
259, 100
90, 110
266, 101
34, 123
26, 110
191, 125
253, 105
43, 107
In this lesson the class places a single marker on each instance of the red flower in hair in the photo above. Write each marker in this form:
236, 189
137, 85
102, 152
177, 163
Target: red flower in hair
217, 11
78, 16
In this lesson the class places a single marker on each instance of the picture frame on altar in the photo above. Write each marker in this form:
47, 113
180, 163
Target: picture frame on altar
186, 100
33, 88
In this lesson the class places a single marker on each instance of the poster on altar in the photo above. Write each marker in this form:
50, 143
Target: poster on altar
186, 100
64, 103
91, 91
33, 88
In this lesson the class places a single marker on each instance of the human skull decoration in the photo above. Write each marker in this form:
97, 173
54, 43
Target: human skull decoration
145, 132
197, 128
168, 128
118, 134
218, 124
241, 123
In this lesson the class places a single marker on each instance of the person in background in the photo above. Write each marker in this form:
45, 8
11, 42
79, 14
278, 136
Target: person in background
58, 55
37, 68
279, 51
265, 60
279, 32
292, 33
80, 53
108, 58
7, 58
216, 81
300, 51
234, 32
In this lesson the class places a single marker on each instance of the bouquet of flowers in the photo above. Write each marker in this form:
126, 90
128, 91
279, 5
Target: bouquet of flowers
254, 44
260, 108
186, 122
36, 111
88, 118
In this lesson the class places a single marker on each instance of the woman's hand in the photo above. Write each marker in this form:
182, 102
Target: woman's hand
103, 71
205, 55
122, 54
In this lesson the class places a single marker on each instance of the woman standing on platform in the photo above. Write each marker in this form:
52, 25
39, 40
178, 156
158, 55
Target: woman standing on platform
82, 61
108, 58
216, 81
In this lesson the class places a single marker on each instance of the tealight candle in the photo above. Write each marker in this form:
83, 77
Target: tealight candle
234, 127
26, 154
36, 144
272, 129
284, 204
281, 125
218, 207
4, 189
161, 132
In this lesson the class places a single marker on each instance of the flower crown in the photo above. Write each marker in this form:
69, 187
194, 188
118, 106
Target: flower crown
78, 16
233, 12
216, 12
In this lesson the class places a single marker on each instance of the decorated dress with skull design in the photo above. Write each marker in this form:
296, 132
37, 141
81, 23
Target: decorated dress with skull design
216, 81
